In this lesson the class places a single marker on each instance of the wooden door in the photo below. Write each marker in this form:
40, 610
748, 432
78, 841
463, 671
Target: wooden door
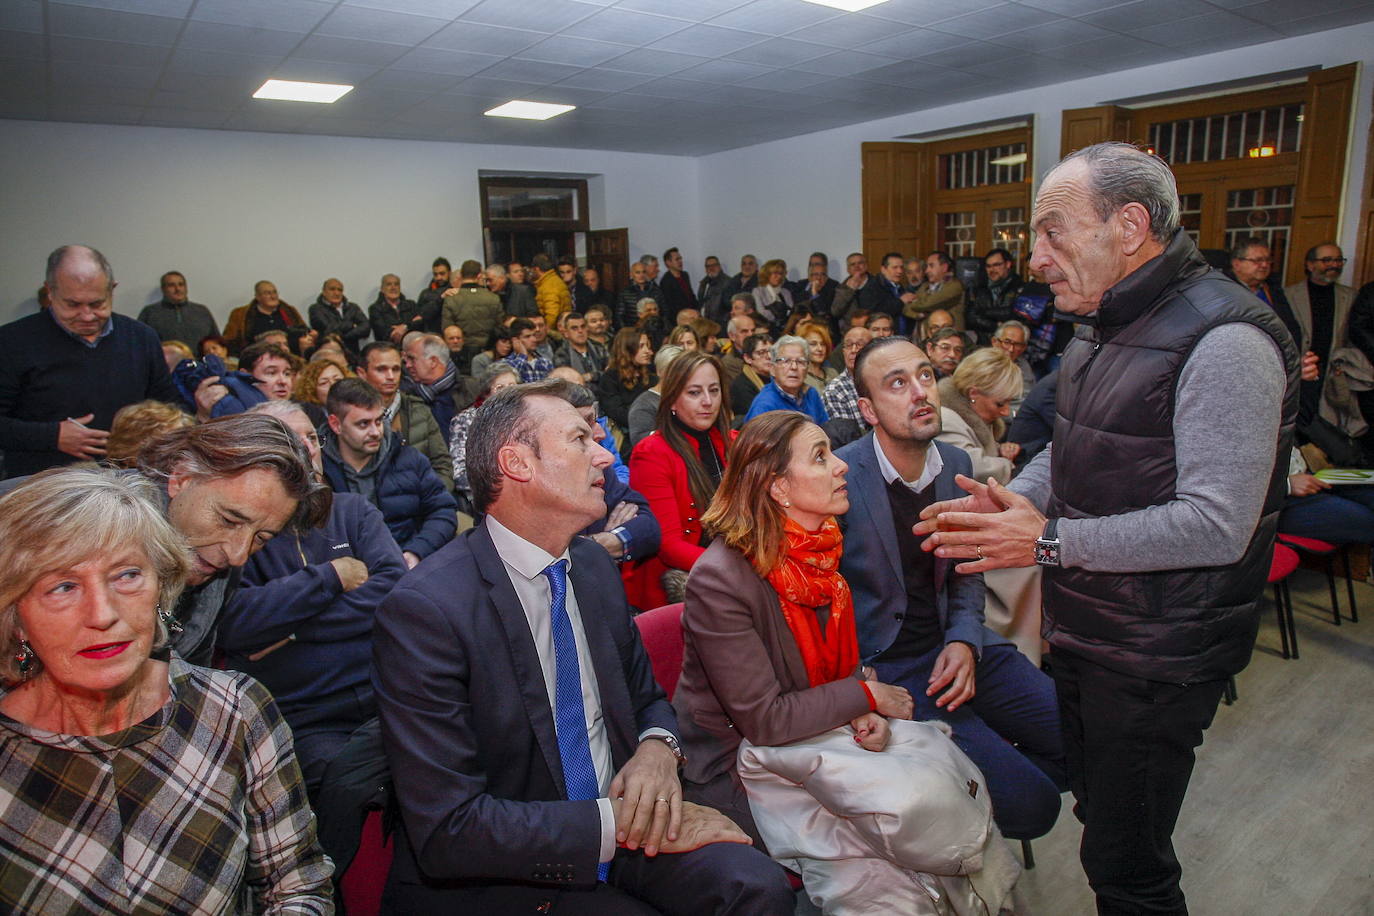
608, 251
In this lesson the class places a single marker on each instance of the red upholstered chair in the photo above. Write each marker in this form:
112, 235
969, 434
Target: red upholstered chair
1327, 551
661, 630
1284, 563
365, 877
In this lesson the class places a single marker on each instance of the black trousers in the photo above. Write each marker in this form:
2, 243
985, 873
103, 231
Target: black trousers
1129, 746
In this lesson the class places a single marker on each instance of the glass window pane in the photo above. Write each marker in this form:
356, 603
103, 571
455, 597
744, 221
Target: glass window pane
527, 203
1255, 134
974, 168
1009, 231
1190, 214
958, 233
1264, 213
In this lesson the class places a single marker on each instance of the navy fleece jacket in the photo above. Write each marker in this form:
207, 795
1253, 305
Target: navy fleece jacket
290, 591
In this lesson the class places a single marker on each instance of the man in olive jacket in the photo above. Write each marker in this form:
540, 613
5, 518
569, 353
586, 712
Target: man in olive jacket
474, 308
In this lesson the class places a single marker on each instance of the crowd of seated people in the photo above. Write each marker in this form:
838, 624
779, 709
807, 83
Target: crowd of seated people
382, 408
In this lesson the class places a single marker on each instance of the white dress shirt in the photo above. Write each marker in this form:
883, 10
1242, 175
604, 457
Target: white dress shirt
525, 564
934, 465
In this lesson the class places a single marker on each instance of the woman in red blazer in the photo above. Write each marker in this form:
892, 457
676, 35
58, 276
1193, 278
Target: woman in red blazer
677, 468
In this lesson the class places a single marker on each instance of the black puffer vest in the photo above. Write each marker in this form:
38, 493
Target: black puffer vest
1114, 453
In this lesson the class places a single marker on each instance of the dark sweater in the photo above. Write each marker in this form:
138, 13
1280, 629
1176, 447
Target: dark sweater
291, 591
187, 322
46, 376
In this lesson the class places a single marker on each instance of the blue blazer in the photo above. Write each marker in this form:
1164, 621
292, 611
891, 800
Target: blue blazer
872, 562
468, 726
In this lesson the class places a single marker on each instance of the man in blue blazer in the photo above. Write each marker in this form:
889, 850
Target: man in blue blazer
920, 623
525, 734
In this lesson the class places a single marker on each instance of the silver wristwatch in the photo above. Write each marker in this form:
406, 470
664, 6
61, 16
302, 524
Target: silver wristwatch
1047, 545
673, 746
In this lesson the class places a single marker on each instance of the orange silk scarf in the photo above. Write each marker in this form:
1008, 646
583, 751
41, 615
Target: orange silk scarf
809, 578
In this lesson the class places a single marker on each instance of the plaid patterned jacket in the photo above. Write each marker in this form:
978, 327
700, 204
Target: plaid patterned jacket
198, 809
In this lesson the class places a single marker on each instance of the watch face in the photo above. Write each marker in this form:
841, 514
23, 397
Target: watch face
1046, 553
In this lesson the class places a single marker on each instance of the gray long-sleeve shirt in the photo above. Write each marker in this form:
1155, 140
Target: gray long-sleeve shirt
1226, 421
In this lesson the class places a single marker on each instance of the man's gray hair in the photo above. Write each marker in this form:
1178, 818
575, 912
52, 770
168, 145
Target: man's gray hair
743, 297
1013, 323
1242, 247
435, 347
790, 340
282, 410
1120, 174
60, 256
648, 259
639, 306
731, 327
496, 270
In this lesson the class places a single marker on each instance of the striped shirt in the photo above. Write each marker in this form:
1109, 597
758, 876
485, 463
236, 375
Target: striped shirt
200, 808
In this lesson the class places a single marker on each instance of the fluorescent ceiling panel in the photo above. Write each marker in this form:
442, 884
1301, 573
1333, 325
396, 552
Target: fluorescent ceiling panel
295, 91
530, 111
849, 6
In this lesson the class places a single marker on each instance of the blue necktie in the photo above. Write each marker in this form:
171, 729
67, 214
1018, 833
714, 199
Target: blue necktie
570, 715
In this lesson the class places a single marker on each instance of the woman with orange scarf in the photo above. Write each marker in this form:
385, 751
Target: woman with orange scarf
771, 651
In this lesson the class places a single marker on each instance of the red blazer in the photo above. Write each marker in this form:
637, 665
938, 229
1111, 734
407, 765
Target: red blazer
660, 474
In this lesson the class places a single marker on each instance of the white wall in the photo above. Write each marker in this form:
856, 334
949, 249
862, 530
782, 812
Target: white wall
790, 197
230, 208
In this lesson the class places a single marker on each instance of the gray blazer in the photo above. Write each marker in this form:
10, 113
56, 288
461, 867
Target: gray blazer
742, 673
872, 562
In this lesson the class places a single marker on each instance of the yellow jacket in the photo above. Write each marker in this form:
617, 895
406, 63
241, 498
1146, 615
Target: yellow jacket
552, 296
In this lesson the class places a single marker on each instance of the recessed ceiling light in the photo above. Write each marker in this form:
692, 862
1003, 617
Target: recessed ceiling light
530, 111
849, 6
293, 91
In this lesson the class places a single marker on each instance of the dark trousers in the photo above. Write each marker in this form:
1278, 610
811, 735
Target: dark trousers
321, 730
1344, 515
1129, 744
721, 879
1010, 730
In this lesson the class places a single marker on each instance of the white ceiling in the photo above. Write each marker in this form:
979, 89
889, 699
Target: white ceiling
666, 76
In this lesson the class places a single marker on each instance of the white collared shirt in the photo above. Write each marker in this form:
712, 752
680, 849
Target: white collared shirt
934, 465
525, 564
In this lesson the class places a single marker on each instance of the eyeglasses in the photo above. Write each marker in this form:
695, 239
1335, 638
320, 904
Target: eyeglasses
1257, 260
790, 363
1330, 260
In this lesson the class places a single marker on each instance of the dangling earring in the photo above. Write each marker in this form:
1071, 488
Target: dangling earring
170, 622
24, 659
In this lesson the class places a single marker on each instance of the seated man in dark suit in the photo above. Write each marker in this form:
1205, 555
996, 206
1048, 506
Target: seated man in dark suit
522, 724
921, 625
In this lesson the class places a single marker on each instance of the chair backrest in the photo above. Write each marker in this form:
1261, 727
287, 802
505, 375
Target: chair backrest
661, 631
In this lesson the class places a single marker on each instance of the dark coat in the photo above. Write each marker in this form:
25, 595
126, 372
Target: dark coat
419, 511
46, 376
469, 729
290, 591
381, 315
348, 321
1114, 452
872, 559
985, 312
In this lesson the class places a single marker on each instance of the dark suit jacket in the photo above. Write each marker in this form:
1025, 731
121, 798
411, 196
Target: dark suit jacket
468, 724
742, 673
872, 561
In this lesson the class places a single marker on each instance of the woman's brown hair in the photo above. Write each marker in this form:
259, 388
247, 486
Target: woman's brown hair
675, 379
309, 377
624, 346
743, 512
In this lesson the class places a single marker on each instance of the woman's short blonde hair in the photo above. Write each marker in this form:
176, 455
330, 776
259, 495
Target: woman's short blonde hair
771, 265
68, 515
135, 424
991, 371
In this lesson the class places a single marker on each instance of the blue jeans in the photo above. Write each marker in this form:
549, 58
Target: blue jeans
1342, 515
1010, 729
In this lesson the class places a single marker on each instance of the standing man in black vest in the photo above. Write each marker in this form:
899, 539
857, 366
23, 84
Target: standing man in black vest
1153, 513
